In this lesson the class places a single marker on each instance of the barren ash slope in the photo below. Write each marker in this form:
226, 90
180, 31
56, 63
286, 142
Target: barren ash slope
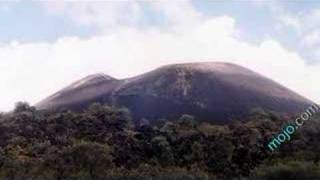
216, 92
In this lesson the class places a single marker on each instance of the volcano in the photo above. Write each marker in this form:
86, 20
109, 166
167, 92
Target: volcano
215, 92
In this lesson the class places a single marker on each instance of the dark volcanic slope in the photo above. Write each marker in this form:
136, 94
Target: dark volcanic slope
215, 92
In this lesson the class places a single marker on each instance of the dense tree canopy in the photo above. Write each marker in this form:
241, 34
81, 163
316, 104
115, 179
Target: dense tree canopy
103, 143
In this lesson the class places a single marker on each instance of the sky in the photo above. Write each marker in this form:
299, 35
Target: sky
46, 45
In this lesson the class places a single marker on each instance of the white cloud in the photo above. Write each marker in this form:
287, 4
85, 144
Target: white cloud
102, 14
33, 71
312, 39
306, 24
180, 14
291, 21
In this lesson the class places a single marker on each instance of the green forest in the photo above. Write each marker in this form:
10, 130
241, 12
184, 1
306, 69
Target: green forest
103, 143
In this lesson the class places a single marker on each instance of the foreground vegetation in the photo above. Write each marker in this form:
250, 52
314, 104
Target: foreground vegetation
103, 143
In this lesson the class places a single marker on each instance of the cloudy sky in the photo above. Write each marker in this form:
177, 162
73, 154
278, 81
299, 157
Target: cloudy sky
45, 46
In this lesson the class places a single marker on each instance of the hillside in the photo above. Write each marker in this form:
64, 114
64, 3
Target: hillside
216, 92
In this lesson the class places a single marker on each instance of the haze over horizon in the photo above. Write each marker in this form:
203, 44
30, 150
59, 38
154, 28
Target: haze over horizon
45, 46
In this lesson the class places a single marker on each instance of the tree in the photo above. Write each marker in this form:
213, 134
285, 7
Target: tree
22, 107
187, 121
162, 150
114, 118
89, 157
